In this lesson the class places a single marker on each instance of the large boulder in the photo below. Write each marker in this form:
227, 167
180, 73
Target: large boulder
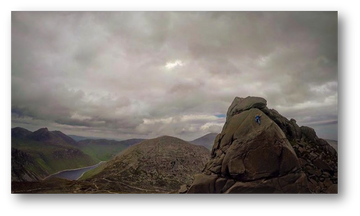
242, 104
248, 157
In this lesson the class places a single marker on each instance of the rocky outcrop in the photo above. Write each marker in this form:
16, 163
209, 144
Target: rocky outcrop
318, 160
276, 156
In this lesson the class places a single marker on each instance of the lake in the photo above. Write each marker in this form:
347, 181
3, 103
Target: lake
73, 174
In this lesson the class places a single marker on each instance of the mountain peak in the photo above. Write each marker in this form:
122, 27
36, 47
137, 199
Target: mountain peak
156, 165
274, 155
19, 132
51, 137
42, 130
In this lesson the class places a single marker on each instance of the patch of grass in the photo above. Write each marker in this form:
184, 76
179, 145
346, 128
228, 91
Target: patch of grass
93, 172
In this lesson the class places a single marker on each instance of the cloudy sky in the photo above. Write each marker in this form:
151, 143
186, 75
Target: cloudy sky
146, 74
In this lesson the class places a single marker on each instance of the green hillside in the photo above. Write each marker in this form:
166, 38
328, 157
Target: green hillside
103, 149
103, 152
48, 159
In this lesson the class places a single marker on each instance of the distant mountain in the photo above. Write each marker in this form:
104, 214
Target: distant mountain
19, 132
131, 142
64, 137
51, 137
35, 155
207, 141
103, 149
80, 138
159, 165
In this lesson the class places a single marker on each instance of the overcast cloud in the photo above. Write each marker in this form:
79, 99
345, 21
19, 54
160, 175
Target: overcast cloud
135, 74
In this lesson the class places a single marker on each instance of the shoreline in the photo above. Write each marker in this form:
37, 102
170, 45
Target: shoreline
72, 170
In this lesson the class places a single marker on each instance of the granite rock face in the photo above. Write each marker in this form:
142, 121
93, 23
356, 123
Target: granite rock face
248, 157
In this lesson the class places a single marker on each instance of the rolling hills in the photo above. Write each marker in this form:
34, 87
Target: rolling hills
37, 154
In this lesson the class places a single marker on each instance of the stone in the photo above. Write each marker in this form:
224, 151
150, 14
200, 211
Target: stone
312, 156
327, 182
236, 167
312, 184
322, 165
219, 184
203, 184
276, 156
308, 133
215, 169
333, 189
242, 104
251, 187
288, 161
228, 184
303, 162
183, 189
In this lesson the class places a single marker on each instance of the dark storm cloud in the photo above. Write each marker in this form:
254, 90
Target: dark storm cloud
126, 74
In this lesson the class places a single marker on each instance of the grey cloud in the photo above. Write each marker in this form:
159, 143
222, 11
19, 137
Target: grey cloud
104, 72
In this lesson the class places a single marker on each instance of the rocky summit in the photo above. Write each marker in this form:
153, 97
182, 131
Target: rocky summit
275, 156
159, 165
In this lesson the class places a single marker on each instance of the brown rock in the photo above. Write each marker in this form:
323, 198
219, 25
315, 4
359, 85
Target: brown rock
322, 165
308, 133
183, 189
251, 187
255, 158
236, 167
203, 184
333, 189
326, 174
312, 156
228, 184
216, 169
312, 184
302, 162
242, 104
288, 161
219, 184
263, 149
327, 182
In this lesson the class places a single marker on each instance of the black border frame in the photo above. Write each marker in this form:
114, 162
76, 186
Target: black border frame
200, 201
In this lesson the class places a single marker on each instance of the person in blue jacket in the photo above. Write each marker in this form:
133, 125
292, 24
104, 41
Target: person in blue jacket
257, 119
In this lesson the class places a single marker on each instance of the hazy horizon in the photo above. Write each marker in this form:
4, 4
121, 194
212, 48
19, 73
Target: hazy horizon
122, 75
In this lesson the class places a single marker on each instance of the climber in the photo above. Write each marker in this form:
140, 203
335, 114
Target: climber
257, 119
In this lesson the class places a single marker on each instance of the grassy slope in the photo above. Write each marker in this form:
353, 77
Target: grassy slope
93, 172
102, 152
53, 158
